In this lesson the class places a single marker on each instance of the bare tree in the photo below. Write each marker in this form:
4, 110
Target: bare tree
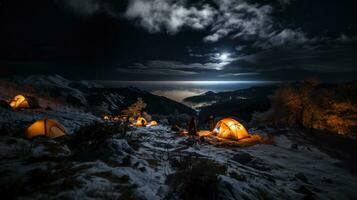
135, 109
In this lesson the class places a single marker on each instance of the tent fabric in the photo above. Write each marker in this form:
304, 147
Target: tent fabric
230, 129
46, 127
140, 120
19, 102
153, 123
132, 120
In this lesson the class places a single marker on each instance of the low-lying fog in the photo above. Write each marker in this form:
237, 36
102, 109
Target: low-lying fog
178, 90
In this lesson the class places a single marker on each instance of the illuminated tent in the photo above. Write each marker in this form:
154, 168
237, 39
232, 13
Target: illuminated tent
141, 121
20, 101
153, 123
132, 120
230, 129
46, 127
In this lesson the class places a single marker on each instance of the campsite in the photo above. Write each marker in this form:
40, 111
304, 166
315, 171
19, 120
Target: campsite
178, 100
58, 149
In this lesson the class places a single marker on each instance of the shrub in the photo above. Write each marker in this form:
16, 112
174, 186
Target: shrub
134, 143
135, 109
147, 116
96, 132
91, 141
13, 129
196, 178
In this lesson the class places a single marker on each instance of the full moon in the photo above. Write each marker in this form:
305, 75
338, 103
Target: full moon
223, 56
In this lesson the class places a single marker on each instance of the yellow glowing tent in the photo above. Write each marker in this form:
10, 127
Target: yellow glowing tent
19, 102
231, 129
153, 123
106, 117
46, 127
131, 120
141, 121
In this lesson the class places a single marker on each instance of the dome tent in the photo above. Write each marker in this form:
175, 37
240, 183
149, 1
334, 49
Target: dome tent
141, 121
153, 123
21, 101
132, 120
46, 127
230, 129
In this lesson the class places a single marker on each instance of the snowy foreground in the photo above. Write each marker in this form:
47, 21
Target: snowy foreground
141, 163
139, 170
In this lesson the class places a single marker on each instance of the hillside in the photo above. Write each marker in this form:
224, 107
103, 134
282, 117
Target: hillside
55, 91
150, 163
155, 104
219, 97
99, 159
240, 103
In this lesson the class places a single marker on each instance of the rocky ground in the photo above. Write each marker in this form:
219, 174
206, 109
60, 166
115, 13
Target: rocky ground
156, 163
97, 160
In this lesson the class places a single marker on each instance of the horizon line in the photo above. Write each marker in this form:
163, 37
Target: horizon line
188, 82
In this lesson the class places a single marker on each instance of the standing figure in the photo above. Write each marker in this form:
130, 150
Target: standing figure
192, 129
143, 123
125, 124
211, 122
175, 127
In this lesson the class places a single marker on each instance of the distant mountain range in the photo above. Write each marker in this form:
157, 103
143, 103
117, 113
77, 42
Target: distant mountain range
89, 96
239, 103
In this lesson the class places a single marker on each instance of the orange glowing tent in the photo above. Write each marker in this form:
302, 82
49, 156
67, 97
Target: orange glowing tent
230, 129
141, 121
21, 101
153, 123
131, 120
46, 127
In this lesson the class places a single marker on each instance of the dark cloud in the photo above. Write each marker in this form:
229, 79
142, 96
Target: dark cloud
176, 68
327, 58
85, 7
180, 39
285, 2
346, 39
240, 19
238, 74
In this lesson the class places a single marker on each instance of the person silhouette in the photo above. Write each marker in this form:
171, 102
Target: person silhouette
192, 128
211, 122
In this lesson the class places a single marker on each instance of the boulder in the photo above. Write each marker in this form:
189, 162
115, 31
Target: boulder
243, 158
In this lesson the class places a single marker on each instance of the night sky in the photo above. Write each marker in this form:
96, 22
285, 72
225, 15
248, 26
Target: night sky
180, 40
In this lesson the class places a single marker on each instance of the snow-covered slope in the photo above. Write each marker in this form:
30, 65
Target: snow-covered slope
69, 117
258, 172
136, 165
